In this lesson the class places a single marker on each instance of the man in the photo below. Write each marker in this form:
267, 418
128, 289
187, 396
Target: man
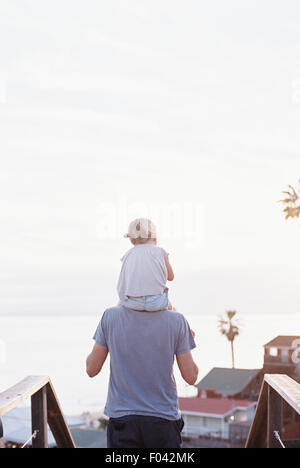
142, 402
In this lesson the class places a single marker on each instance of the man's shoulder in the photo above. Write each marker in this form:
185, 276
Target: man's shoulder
111, 314
113, 311
174, 316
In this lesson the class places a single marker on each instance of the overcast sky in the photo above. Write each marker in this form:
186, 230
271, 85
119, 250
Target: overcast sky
187, 112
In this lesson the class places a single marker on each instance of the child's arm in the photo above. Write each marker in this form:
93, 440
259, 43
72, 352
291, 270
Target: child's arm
169, 268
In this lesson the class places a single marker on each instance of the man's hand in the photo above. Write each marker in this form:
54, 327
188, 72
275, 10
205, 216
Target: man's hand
95, 360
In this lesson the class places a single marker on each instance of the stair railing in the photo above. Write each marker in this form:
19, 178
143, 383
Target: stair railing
45, 410
267, 425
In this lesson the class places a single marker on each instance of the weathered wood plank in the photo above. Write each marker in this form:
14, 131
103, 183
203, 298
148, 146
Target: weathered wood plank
258, 432
274, 418
21, 392
56, 420
287, 388
39, 419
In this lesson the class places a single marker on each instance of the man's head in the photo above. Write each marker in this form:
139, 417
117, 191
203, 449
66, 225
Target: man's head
141, 231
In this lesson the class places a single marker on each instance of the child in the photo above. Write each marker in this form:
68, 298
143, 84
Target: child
145, 270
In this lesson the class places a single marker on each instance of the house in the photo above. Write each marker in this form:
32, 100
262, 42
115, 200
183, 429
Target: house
211, 417
240, 384
282, 356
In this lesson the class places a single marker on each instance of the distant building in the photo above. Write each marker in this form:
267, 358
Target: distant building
240, 384
212, 417
282, 356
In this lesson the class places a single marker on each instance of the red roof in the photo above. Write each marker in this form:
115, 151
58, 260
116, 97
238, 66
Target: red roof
219, 406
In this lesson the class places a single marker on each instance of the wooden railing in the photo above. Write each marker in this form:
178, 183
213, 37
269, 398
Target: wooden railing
268, 421
45, 409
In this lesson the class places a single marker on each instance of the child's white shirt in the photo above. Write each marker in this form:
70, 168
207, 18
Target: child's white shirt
144, 272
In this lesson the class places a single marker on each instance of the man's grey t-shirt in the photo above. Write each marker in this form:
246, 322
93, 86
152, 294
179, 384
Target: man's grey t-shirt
142, 346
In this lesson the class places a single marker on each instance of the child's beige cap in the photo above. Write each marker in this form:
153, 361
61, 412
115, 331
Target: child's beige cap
141, 227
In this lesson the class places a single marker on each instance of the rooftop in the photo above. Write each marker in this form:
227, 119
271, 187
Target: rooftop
89, 438
282, 341
216, 406
228, 381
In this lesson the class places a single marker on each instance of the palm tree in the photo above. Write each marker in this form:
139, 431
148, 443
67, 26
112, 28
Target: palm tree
291, 202
229, 328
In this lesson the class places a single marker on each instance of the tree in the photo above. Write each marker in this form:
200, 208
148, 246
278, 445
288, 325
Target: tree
291, 202
229, 328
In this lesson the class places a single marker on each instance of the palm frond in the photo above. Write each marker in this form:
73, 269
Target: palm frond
292, 208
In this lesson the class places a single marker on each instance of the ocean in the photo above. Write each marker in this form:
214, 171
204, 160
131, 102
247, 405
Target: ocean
58, 346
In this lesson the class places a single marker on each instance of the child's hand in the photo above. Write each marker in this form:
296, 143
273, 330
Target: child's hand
193, 333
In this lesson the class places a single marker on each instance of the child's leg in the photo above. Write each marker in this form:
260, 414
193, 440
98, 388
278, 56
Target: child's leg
147, 303
157, 303
135, 303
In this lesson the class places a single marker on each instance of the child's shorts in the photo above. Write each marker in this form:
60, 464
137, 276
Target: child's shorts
147, 303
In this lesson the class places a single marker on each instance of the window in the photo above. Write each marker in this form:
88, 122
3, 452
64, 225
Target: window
274, 352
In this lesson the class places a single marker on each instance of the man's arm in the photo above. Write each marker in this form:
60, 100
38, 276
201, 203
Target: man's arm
188, 368
95, 360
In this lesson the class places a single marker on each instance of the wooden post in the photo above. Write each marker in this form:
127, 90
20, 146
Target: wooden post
258, 432
274, 417
39, 418
57, 422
